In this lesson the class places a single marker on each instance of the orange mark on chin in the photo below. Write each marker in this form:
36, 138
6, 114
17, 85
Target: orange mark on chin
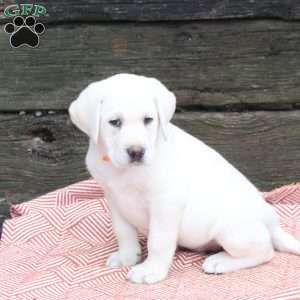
105, 157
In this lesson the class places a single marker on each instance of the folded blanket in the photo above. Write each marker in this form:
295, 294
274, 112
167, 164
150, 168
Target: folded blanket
55, 247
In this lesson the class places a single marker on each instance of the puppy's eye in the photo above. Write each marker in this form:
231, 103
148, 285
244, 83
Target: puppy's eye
147, 120
115, 123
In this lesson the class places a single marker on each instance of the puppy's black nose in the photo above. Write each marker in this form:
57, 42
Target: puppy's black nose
136, 153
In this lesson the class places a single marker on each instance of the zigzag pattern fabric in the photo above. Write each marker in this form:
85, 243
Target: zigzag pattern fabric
55, 247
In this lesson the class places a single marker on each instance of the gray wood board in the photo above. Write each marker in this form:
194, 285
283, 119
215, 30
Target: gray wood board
157, 10
40, 154
241, 63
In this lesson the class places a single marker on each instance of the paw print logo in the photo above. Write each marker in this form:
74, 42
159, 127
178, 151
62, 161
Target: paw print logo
24, 32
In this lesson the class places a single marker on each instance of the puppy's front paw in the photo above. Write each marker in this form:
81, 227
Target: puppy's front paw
120, 259
147, 273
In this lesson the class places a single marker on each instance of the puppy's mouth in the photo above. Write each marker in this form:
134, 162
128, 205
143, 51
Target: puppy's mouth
136, 162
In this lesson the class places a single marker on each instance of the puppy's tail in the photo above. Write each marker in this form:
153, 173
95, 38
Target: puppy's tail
284, 242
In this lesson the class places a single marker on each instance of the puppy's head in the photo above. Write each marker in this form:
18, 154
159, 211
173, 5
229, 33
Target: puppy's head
124, 116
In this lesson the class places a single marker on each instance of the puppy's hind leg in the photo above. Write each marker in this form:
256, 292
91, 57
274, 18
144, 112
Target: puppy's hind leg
245, 246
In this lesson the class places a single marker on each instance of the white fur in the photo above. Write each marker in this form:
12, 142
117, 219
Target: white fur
183, 193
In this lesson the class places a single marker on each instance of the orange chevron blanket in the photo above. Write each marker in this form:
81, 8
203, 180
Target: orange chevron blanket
55, 247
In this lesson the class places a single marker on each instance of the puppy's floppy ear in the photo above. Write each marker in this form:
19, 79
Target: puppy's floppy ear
165, 102
85, 111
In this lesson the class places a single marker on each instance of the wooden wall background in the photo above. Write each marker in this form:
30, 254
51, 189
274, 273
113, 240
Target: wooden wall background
234, 66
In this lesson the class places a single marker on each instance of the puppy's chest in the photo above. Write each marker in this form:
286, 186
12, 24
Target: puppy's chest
132, 201
128, 190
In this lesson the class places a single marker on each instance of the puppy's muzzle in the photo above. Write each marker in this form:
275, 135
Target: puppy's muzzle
136, 153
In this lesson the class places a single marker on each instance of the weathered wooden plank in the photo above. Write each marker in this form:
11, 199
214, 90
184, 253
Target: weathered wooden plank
157, 10
206, 64
39, 154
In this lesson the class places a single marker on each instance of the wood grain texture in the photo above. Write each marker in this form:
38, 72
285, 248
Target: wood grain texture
168, 10
206, 64
40, 154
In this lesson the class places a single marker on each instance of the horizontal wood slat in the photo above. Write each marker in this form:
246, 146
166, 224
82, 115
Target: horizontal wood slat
168, 10
39, 154
206, 64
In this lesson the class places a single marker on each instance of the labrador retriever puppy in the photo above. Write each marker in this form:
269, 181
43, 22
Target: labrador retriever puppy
168, 185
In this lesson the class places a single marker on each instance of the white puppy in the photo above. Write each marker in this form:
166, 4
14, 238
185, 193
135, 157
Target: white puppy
168, 185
